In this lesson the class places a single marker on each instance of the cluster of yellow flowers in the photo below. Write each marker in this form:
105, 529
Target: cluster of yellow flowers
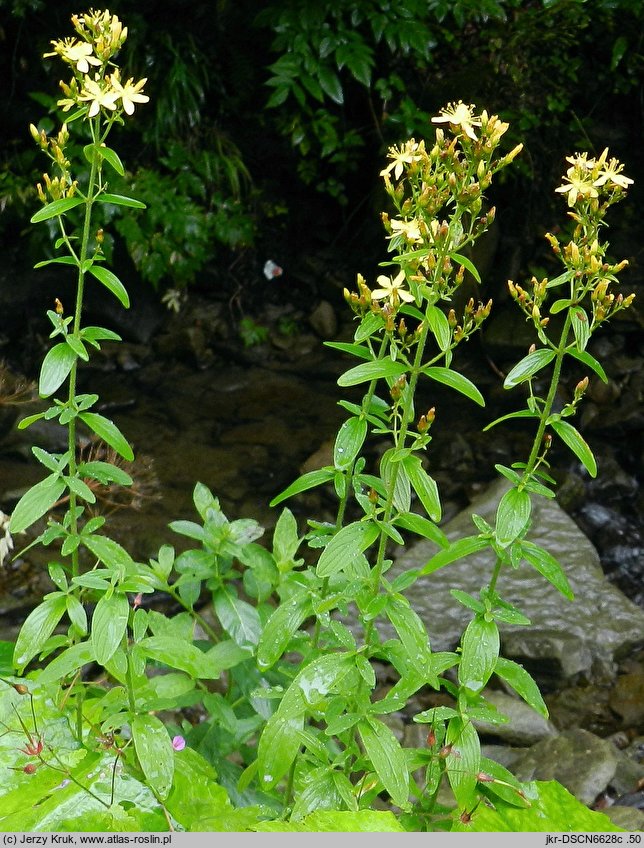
586, 176
101, 37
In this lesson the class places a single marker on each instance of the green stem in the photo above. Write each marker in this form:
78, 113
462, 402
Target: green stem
550, 398
78, 310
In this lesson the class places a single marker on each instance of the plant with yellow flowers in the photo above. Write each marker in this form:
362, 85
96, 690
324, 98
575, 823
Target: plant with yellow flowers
293, 730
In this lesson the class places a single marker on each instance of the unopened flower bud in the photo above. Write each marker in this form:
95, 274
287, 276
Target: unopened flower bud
59, 306
451, 319
30, 768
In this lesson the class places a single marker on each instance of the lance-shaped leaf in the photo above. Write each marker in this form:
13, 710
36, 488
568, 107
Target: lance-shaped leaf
528, 366
58, 207
424, 486
382, 368
590, 361
109, 432
111, 282
387, 758
518, 678
412, 634
109, 624
439, 325
67, 663
455, 381
479, 653
281, 627
463, 761
36, 502
577, 444
154, 752
348, 442
120, 200
37, 628
238, 618
512, 516
55, 368
346, 547
184, 656
307, 481
547, 566
462, 548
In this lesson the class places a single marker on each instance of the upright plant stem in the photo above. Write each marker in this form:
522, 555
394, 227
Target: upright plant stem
78, 310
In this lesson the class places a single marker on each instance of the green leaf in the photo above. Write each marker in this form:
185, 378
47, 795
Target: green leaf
468, 264
455, 381
37, 628
528, 366
380, 369
580, 326
112, 157
512, 516
439, 325
238, 618
183, 655
522, 413
590, 361
548, 567
330, 84
111, 282
67, 663
577, 444
55, 368
285, 539
109, 432
280, 628
104, 472
109, 552
307, 481
109, 625
346, 546
422, 526
358, 350
560, 305
154, 752
518, 679
59, 260
278, 747
463, 761
552, 809
412, 633
120, 200
348, 442
387, 758
36, 502
462, 548
58, 207
424, 486
479, 653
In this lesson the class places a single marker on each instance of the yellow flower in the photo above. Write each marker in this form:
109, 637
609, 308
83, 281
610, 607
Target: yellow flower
460, 115
130, 93
578, 186
409, 229
77, 53
405, 155
98, 97
392, 290
612, 173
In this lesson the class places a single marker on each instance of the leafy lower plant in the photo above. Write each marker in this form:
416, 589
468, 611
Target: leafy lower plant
277, 647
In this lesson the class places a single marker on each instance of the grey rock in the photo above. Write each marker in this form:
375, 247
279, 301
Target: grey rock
579, 760
566, 639
524, 727
627, 817
323, 320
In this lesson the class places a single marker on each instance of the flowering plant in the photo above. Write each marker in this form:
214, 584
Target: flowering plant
294, 726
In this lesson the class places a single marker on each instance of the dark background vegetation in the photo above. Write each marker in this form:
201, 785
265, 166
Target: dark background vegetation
269, 122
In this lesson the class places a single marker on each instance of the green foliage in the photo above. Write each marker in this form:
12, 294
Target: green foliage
295, 734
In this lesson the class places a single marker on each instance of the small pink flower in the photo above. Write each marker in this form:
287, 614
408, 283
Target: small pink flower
178, 743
